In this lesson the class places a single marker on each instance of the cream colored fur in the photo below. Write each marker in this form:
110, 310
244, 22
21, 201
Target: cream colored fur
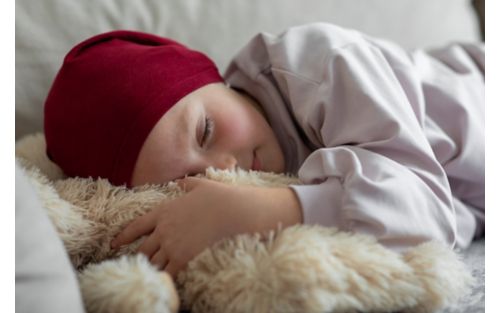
297, 269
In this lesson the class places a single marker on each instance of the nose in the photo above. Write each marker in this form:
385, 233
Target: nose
225, 162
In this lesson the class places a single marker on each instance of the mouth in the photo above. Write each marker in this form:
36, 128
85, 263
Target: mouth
256, 165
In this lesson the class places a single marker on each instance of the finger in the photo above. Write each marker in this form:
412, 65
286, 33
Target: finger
150, 246
142, 225
172, 269
159, 259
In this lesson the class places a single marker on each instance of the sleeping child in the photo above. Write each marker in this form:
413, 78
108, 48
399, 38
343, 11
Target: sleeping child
385, 142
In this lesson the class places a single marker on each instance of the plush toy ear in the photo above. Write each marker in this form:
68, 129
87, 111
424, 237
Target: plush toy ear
31, 151
129, 284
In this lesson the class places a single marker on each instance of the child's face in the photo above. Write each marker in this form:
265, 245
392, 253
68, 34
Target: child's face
212, 126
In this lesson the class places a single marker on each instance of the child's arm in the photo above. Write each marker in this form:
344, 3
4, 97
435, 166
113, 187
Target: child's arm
180, 229
382, 126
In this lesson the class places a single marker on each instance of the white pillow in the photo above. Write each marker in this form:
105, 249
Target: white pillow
45, 279
47, 29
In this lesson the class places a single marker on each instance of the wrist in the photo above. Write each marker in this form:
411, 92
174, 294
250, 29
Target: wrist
278, 206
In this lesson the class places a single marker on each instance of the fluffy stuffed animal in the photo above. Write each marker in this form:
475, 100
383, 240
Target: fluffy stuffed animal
297, 269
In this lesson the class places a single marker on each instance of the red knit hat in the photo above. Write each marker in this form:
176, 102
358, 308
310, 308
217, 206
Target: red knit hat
109, 93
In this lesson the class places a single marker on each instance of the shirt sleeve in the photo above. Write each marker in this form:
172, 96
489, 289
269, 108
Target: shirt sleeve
372, 170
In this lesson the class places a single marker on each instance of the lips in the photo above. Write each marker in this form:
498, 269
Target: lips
256, 165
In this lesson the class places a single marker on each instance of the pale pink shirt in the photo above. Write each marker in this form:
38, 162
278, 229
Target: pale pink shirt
387, 142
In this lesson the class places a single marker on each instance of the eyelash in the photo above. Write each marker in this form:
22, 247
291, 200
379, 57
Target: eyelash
209, 126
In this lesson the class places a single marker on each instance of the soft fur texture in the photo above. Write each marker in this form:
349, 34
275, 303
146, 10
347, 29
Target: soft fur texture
297, 269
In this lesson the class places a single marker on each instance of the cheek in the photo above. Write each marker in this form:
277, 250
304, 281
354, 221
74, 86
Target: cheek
239, 131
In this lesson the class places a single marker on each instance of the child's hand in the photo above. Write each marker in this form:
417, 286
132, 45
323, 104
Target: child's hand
181, 228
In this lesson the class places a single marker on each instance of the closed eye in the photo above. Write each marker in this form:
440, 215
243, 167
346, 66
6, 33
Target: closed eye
207, 132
